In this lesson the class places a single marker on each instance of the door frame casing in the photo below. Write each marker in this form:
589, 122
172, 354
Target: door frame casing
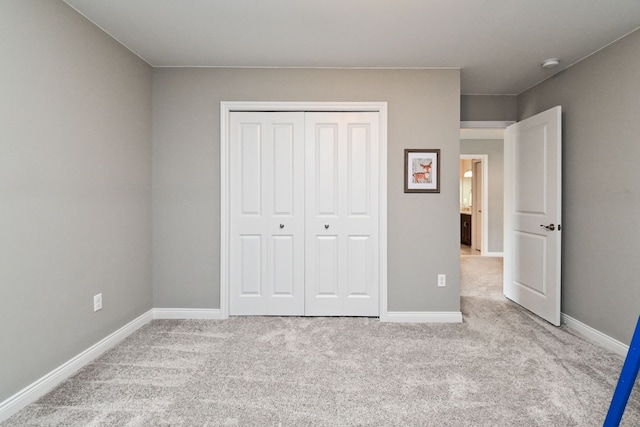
226, 108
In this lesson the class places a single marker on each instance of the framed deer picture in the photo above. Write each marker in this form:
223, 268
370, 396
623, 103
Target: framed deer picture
421, 171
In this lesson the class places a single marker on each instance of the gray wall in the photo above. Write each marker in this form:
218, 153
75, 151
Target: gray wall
494, 149
488, 108
600, 98
423, 113
75, 148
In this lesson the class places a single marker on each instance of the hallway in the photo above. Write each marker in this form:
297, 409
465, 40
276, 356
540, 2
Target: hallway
481, 276
466, 250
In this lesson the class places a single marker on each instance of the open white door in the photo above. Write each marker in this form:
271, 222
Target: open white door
533, 213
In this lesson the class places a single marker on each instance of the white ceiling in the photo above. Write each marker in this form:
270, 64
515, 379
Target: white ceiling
498, 44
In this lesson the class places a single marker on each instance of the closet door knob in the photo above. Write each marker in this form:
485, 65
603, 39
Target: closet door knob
326, 226
281, 225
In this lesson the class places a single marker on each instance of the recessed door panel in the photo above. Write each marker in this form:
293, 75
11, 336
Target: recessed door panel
326, 167
283, 169
359, 174
531, 163
360, 268
250, 169
251, 265
283, 265
529, 255
327, 266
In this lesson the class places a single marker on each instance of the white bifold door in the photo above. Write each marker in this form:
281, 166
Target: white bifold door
267, 213
304, 219
341, 210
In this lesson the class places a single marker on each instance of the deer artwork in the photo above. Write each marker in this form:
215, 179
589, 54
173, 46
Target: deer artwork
424, 176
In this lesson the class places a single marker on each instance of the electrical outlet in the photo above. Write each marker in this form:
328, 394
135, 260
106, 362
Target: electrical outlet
442, 280
97, 302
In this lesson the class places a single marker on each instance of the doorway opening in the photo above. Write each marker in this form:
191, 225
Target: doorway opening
482, 193
474, 205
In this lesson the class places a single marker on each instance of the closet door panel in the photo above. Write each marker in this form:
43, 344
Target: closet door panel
341, 192
267, 206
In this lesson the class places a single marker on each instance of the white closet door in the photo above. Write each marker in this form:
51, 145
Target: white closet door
266, 213
341, 209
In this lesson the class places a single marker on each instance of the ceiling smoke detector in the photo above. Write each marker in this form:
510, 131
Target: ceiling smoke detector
551, 63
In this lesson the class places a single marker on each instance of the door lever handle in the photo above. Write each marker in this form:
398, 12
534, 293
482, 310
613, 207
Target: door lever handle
548, 227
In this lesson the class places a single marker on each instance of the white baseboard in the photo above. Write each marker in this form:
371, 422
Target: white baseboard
187, 313
424, 316
594, 335
42, 386
494, 254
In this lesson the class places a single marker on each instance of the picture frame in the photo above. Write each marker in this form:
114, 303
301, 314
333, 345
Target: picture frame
422, 170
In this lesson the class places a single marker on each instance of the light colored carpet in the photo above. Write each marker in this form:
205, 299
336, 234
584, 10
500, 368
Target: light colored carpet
501, 367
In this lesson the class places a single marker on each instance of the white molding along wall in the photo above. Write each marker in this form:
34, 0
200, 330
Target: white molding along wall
594, 335
226, 107
425, 316
187, 313
48, 382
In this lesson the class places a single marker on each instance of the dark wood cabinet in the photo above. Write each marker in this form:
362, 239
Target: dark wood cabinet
465, 229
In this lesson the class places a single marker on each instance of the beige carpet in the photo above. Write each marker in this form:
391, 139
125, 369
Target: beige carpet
501, 367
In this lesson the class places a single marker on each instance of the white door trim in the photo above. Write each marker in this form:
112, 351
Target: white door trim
226, 107
485, 197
